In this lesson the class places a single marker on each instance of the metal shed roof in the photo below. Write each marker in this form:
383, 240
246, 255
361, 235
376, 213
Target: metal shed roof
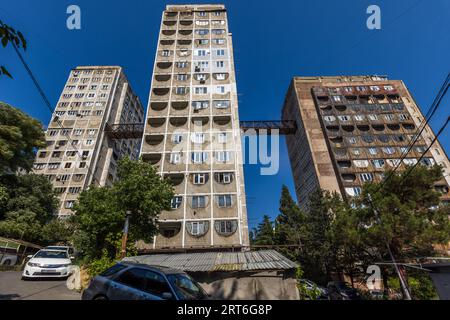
218, 261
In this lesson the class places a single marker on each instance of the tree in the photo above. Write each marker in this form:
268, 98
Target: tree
20, 136
263, 234
10, 35
28, 204
100, 211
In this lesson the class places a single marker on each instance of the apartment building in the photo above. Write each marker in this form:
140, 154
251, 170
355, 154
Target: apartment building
79, 152
192, 131
351, 130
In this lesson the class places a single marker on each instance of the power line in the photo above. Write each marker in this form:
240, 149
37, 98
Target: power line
48, 104
430, 113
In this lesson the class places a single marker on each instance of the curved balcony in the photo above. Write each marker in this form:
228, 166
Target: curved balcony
158, 106
162, 77
152, 158
168, 32
180, 105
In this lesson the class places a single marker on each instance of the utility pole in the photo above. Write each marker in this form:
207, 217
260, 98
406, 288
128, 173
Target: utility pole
123, 251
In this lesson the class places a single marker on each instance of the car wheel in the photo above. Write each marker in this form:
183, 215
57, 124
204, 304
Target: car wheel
7, 262
100, 298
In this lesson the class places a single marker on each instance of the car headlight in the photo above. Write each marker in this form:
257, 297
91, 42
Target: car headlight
32, 264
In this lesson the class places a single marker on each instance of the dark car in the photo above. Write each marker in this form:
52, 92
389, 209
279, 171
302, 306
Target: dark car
134, 281
339, 290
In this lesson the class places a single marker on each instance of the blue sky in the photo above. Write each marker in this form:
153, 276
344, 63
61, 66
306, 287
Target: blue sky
273, 41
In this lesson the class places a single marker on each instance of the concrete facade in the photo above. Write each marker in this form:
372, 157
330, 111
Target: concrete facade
78, 152
351, 130
192, 131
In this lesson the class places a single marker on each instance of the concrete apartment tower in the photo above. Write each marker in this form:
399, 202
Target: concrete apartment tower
192, 132
79, 152
352, 129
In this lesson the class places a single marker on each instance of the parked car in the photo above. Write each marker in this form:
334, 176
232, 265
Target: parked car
69, 250
320, 292
48, 263
134, 281
339, 290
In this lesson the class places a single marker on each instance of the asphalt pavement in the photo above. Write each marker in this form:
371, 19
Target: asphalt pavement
13, 288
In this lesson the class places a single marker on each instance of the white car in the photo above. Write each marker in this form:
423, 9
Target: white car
48, 263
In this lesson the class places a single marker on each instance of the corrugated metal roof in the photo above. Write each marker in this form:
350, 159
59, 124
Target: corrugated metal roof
219, 261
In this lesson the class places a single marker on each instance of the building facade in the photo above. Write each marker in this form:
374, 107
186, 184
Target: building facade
192, 130
351, 130
79, 152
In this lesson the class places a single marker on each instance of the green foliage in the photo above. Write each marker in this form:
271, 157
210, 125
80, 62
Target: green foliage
100, 211
264, 233
10, 35
27, 206
101, 264
419, 283
20, 136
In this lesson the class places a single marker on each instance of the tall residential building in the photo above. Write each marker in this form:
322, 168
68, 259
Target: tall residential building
192, 130
79, 152
351, 130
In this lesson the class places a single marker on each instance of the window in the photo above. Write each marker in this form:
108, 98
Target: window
366, 177
89, 142
201, 90
201, 53
199, 105
361, 163
220, 89
375, 88
181, 65
336, 98
388, 150
224, 177
199, 157
202, 22
198, 137
220, 64
165, 53
175, 203
218, 31
221, 104
198, 202
177, 138
180, 90
356, 152
69, 204
82, 165
226, 227
74, 190
224, 201
223, 156
133, 278
53, 166
91, 132
222, 137
329, 118
220, 52
344, 118
203, 41
39, 166
200, 178
378, 163
409, 162
68, 165
197, 228
201, 76
218, 41
351, 140
372, 117
354, 191
220, 76
181, 77
373, 151
175, 158
388, 88
202, 32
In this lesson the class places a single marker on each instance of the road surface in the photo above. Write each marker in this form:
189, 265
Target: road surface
13, 288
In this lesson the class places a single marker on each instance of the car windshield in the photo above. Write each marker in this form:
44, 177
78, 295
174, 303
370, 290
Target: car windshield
185, 288
51, 254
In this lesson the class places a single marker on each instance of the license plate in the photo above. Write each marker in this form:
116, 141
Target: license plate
48, 271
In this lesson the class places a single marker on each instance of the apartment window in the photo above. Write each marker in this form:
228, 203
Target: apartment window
222, 137
200, 178
201, 76
221, 104
175, 158
344, 118
68, 165
175, 203
373, 151
91, 132
82, 165
105, 87
202, 22
361, 163
198, 202
220, 52
165, 53
202, 32
181, 77
53, 166
375, 88
180, 90
201, 90
220, 76
223, 156
74, 190
203, 41
198, 105
201, 53
218, 41
388, 88
202, 14
421, 149
218, 31
78, 177
216, 13
89, 142
378, 163
98, 112
366, 177
224, 177
199, 157
351, 140
85, 154
356, 152
181, 64
63, 177
220, 64
409, 162
53, 133
336, 98
177, 138
198, 137
39, 166
220, 89
224, 201
388, 150
226, 227
403, 116
71, 153
69, 204
353, 191
197, 228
